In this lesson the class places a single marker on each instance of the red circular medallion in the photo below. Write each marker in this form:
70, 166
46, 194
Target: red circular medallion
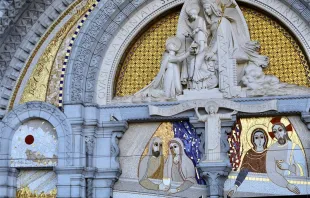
29, 139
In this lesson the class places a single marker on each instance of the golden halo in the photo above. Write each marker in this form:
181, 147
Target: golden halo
285, 121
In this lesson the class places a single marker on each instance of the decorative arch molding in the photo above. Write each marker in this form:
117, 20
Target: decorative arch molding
302, 7
20, 41
36, 110
98, 48
290, 13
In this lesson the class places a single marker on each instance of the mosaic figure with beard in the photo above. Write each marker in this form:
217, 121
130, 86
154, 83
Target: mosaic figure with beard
284, 158
152, 165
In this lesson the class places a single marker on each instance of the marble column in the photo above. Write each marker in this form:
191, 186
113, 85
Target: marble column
106, 154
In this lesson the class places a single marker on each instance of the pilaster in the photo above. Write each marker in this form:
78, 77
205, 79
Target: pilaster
216, 173
107, 153
70, 182
8, 182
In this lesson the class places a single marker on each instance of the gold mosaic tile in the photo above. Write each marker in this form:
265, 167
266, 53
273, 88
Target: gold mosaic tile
287, 61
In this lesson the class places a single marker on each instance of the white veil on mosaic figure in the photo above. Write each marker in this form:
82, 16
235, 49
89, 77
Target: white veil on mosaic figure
160, 98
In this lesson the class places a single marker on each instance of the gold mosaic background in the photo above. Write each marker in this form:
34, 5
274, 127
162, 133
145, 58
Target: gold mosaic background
165, 132
287, 61
142, 62
26, 193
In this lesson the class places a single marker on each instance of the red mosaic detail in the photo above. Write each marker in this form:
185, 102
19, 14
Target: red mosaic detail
29, 139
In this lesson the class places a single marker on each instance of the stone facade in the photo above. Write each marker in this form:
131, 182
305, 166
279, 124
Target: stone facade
91, 127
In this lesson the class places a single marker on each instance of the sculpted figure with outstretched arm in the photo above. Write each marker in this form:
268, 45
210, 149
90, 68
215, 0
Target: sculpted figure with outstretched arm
213, 129
168, 79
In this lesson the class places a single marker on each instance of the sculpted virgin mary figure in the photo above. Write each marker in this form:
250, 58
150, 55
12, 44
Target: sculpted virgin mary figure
222, 63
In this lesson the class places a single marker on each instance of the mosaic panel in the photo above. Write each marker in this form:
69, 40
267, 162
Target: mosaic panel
36, 183
170, 156
269, 150
34, 144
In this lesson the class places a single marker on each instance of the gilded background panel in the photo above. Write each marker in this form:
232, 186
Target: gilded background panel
142, 61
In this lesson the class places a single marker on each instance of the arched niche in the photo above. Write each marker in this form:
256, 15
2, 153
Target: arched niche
26, 113
34, 144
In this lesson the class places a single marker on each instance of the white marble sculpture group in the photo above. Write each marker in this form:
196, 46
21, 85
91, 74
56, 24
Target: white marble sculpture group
212, 56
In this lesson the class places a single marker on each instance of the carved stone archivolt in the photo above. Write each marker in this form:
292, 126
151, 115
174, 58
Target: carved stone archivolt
16, 49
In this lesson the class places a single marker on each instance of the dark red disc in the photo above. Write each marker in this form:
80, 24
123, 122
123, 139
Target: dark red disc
29, 139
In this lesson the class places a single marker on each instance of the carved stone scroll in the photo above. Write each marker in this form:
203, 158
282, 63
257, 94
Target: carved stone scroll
222, 103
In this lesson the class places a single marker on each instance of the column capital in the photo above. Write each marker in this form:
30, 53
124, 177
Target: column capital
305, 117
196, 123
216, 173
108, 173
229, 123
114, 126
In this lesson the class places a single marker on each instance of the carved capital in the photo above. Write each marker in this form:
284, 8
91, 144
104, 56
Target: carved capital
215, 182
110, 127
215, 174
109, 176
90, 143
305, 117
